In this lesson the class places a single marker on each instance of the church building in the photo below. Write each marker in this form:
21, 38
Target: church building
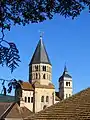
39, 92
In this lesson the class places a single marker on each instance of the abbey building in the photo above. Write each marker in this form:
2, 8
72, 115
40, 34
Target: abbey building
39, 92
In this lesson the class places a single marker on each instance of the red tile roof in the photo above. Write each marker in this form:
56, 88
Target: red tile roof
26, 86
38, 85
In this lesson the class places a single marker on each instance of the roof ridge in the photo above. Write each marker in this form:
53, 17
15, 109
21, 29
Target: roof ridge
5, 112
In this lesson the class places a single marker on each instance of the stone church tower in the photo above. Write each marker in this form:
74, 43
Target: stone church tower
39, 92
65, 85
40, 68
40, 76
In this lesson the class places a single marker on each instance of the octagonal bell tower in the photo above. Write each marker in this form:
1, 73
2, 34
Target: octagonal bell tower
40, 68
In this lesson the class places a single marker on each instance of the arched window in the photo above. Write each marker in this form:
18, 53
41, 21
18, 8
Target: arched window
42, 99
28, 99
44, 68
36, 67
44, 76
47, 99
67, 83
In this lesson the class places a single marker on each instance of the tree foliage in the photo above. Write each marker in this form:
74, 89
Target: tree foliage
9, 55
13, 83
34, 11
23, 12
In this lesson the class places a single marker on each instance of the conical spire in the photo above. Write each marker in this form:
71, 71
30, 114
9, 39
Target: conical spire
40, 55
65, 69
65, 73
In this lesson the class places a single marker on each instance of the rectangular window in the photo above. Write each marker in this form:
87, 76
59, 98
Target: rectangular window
28, 99
25, 99
69, 83
31, 99
47, 99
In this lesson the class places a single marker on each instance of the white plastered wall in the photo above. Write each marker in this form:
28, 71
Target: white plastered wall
39, 92
27, 94
67, 89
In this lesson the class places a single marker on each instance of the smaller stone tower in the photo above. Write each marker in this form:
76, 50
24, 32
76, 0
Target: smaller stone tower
65, 85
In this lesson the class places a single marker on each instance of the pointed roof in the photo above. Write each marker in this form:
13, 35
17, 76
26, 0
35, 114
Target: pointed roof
65, 74
65, 69
40, 55
13, 111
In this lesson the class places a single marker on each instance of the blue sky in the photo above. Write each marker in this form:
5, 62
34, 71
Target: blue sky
66, 40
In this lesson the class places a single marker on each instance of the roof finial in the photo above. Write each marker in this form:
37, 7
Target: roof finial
65, 68
41, 34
